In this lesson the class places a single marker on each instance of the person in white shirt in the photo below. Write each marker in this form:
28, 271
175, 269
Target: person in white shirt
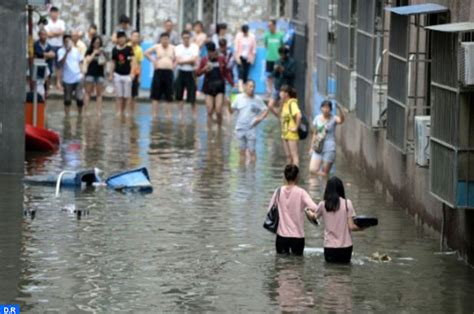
187, 55
71, 60
55, 29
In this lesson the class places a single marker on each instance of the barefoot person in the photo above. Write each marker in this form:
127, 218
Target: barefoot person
71, 61
251, 110
245, 53
273, 41
162, 56
215, 71
323, 148
120, 73
292, 202
187, 55
94, 81
290, 117
55, 30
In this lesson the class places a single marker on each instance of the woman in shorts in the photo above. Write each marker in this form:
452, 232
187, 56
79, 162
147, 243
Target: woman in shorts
324, 126
94, 81
215, 71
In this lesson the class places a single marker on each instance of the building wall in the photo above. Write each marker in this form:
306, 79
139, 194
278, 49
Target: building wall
237, 12
154, 13
404, 182
77, 14
12, 86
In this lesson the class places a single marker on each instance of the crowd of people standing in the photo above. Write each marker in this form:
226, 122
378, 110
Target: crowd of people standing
83, 64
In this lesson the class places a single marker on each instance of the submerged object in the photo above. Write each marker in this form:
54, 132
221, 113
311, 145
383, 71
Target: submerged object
69, 178
131, 180
39, 139
365, 222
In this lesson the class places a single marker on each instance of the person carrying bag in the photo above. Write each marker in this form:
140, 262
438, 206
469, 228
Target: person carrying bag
286, 214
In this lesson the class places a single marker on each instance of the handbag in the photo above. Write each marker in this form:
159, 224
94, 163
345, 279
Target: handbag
101, 60
318, 144
273, 217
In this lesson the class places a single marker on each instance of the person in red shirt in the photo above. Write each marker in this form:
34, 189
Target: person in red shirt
215, 71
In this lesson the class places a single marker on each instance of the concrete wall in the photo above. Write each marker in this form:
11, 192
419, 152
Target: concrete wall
81, 13
77, 14
154, 14
12, 85
237, 12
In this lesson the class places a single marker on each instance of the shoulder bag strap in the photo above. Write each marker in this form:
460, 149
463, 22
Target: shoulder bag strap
291, 113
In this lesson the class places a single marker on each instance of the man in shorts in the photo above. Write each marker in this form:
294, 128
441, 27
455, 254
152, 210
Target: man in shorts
120, 73
55, 28
187, 55
71, 61
273, 41
284, 74
162, 56
251, 111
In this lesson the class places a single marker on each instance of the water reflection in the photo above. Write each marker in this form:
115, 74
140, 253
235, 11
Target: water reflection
337, 289
292, 294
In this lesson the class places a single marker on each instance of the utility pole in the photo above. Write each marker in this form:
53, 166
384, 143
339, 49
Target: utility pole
13, 65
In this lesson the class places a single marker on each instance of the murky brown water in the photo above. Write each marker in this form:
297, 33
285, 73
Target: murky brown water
196, 243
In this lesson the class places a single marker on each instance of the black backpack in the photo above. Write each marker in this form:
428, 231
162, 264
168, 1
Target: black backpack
303, 128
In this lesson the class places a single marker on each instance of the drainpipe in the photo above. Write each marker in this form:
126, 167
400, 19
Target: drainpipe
443, 227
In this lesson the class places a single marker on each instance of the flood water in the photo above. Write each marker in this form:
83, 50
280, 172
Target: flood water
197, 243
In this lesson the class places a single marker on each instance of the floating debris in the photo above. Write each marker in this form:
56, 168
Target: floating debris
380, 257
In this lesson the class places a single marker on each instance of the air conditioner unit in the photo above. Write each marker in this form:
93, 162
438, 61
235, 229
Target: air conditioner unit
422, 140
39, 3
466, 63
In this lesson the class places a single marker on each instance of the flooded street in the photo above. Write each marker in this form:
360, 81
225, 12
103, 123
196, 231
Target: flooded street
197, 243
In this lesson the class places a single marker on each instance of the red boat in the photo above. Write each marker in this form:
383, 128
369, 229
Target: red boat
39, 139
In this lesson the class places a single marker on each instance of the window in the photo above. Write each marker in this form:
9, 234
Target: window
199, 10
452, 119
399, 3
409, 72
113, 9
344, 54
277, 8
370, 83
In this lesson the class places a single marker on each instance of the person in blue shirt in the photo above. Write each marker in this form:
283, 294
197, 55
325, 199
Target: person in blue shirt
43, 50
251, 111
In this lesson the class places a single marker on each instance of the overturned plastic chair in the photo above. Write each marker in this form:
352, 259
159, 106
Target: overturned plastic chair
134, 180
70, 179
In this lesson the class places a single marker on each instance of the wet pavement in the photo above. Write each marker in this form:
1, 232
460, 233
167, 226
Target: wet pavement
197, 243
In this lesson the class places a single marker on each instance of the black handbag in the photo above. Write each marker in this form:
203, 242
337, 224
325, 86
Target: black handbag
272, 219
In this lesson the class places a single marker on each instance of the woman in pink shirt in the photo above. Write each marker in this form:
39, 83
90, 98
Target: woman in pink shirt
337, 213
292, 201
245, 52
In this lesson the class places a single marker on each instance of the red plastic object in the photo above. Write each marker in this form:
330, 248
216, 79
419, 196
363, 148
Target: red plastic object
40, 139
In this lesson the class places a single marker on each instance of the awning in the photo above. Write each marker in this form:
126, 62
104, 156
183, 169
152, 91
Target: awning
425, 8
453, 27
